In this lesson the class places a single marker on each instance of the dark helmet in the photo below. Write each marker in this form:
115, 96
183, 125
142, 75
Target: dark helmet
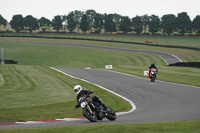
152, 64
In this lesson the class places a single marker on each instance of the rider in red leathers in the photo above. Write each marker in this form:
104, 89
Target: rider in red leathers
152, 66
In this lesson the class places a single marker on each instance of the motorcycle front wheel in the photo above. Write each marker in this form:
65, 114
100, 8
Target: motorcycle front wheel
91, 117
153, 78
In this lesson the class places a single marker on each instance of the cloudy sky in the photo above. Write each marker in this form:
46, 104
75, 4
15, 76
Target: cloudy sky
131, 8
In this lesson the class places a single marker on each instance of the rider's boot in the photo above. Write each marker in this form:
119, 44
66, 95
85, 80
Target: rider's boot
104, 106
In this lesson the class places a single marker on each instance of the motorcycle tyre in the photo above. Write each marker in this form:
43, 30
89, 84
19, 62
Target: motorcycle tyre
111, 116
153, 78
86, 113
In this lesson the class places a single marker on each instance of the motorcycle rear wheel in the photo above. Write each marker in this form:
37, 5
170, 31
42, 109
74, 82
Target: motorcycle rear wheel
89, 116
111, 115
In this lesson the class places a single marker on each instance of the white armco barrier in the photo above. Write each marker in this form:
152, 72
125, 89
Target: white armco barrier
108, 66
146, 73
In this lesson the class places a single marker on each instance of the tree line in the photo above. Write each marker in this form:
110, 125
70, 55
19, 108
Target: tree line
96, 23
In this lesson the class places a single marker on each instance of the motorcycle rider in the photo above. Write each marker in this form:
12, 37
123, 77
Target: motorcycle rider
152, 66
81, 93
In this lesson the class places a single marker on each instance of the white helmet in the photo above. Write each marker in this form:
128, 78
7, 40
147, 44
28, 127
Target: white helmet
77, 89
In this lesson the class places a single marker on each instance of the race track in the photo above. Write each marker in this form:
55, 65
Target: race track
159, 101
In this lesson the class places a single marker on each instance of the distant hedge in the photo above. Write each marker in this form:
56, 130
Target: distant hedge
9, 61
186, 64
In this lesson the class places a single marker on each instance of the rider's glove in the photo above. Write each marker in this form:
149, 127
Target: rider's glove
90, 92
77, 106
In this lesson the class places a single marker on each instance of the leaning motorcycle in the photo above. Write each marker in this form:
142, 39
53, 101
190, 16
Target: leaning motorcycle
93, 111
153, 73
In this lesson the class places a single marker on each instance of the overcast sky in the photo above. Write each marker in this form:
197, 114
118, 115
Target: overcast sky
131, 8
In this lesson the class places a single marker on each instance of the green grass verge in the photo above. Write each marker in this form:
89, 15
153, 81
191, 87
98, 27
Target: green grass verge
40, 93
155, 127
69, 56
193, 42
187, 42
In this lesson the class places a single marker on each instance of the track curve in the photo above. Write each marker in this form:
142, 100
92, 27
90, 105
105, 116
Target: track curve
159, 101
169, 58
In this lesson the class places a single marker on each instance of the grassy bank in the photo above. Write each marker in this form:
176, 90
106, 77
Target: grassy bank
168, 41
185, 54
155, 127
180, 41
69, 56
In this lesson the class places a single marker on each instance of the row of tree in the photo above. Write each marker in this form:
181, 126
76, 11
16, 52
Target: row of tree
95, 22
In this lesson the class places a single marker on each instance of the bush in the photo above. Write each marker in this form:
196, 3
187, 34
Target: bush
146, 33
186, 64
7, 31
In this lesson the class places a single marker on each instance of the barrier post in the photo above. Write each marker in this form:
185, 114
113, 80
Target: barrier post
2, 56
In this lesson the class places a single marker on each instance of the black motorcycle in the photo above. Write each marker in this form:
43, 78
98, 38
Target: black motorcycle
93, 111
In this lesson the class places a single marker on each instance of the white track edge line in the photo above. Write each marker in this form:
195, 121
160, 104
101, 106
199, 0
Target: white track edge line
118, 113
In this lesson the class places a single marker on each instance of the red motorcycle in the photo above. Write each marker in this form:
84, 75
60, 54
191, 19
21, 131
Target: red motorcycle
153, 73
